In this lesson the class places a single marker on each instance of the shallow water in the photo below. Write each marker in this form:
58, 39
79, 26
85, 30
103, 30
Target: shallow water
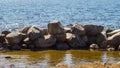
19, 13
42, 59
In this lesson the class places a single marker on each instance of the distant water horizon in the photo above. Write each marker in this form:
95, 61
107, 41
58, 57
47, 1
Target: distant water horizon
19, 13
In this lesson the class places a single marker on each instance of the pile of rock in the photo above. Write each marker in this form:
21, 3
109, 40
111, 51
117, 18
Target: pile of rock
59, 37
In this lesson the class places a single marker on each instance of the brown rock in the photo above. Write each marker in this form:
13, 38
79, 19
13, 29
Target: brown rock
55, 27
45, 42
27, 40
68, 30
34, 33
78, 29
93, 29
60, 37
14, 38
76, 42
62, 46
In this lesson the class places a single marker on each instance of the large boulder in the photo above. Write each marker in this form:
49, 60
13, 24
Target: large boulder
76, 42
14, 38
93, 29
114, 40
62, 46
97, 39
78, 29
55, 27
34, 33
112, 32
45, 42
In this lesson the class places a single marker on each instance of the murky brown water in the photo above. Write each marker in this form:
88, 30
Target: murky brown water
43, 59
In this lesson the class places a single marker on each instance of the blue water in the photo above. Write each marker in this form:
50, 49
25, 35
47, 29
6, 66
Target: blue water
19, 13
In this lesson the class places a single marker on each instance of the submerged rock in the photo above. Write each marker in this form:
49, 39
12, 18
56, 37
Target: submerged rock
55, 27
45, 42
93, 29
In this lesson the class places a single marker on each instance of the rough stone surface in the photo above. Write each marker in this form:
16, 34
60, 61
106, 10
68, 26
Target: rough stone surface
25, 29
34, 33
55, 27
94, 46
93, 29
112, 32
14, 38
78, 29
60, 37
45, 42
5, 32
62, 46
76, 42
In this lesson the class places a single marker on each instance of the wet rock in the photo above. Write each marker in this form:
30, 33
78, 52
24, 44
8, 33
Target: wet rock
5, 32
78, 29
94, 46
34, 33
55, 27
25, 29
62, 46
84, 38
114, 40
76, 42
112, 32
119, 47
24, 46
45, 31
93, 29
45, 42
14, 38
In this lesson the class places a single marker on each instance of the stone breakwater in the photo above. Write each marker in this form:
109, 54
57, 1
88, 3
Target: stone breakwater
56, 36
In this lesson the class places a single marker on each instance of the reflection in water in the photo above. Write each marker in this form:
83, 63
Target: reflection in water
48, 58
68, 59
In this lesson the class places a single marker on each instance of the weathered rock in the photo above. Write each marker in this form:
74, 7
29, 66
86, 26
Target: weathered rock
14, 38
55, 27
45, 42
76, 42
69, 36
78, 29
45, 31
119, 47
93, 29
5, 32
98, 39
114, 40
112, 32
25, 29
60, 37
84, 38
94, 46
34, 33
62, 46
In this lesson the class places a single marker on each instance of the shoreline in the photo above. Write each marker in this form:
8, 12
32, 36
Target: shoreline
55, 36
